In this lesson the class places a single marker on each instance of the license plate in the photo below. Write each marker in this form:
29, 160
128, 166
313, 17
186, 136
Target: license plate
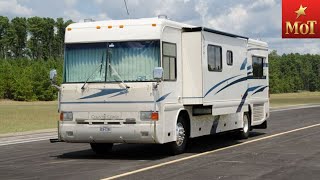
105, 129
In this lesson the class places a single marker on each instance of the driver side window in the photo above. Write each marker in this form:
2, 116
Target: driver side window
169, 61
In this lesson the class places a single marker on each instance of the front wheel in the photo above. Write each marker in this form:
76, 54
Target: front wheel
245, 130
101, 148
179, 146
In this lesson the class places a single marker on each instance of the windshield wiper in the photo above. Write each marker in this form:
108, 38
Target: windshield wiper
99, 66
111, 67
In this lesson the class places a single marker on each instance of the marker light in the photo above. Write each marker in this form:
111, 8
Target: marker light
154, 25
121, 26
69, 29
109, 27
98, 27
155, 116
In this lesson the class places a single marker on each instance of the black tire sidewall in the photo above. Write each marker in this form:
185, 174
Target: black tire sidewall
101, 148
174, 148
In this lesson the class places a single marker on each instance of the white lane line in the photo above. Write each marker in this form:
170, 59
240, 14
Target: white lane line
208, 152
25, 140
294, 108
22, 139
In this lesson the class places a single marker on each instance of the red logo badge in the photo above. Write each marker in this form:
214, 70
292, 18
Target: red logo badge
300, 19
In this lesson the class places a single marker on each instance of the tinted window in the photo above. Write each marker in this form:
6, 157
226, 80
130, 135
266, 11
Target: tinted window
214, 58
257, 66
229, 58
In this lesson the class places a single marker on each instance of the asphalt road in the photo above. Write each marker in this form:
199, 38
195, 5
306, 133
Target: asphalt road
291, 155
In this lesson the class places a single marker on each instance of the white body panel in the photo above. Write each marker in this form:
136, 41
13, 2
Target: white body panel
102, 112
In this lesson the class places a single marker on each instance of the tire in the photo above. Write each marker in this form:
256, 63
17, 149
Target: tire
245, 130
182, 133
101, 148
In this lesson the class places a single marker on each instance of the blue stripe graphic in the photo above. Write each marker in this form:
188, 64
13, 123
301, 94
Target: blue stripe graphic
233, 83
260, 90
243, 64
215, 86
104, 92
163, 97
244, 97
249, 67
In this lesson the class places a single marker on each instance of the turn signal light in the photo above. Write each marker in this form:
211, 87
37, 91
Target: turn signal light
69, 29
98, 27
121, 26
109, 27
61, 116
154, 25
155, 116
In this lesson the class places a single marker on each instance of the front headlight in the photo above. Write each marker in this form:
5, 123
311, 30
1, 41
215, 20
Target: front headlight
145, 115
66, 116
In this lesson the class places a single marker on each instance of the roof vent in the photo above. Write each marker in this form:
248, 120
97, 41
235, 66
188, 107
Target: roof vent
162, 16
88, 20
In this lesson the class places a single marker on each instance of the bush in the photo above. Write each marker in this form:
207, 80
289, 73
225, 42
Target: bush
28, 80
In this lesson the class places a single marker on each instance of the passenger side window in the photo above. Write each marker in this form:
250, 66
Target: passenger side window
214, 58
169, 61
257, 66
229, 58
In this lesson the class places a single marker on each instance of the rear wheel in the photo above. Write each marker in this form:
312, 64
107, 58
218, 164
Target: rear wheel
245, 130
182, 135
101, 148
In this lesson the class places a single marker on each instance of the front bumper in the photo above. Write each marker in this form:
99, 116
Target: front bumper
124, 133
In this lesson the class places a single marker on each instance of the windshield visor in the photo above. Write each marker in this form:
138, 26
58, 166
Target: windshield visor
111, 62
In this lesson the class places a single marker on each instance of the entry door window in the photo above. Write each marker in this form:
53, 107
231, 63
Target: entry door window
169, 61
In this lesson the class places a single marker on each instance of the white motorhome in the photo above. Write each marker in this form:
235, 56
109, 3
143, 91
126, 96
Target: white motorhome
158, 81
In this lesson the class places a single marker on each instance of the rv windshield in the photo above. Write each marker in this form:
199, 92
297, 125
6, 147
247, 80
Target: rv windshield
130, 61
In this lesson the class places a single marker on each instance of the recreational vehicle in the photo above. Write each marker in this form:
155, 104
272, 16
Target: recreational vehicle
158, 81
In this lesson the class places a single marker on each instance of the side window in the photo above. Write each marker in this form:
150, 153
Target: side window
214, 58
257, 66
169, 61
229, 58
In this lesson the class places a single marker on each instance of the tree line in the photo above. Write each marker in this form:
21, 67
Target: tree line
294, 72
33, 38
30, 47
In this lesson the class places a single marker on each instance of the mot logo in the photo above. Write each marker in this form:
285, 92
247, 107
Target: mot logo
300, 19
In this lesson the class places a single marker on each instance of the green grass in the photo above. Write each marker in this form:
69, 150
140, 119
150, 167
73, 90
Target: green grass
29, 116
289, 99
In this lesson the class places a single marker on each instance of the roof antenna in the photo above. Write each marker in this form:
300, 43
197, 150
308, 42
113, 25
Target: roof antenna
125, 3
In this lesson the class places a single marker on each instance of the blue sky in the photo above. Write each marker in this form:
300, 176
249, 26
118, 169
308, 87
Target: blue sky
258, 19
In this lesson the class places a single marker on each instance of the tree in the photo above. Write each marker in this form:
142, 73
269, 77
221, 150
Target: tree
19, 29
4, 25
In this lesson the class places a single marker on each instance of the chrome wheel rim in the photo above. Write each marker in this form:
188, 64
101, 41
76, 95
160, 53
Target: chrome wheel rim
245, 124
180, 133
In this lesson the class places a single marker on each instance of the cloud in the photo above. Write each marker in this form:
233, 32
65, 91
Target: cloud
235, 20
70, 3
13, 8
258, 19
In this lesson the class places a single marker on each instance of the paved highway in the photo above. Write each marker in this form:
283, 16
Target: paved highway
288, 149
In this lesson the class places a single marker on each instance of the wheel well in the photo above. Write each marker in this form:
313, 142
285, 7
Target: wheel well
186, 118
249, 111
250, 115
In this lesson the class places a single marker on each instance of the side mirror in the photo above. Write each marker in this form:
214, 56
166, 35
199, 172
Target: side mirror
53, 76
157, 73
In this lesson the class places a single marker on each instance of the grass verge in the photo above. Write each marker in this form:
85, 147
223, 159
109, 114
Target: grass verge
27, 116
289, 99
